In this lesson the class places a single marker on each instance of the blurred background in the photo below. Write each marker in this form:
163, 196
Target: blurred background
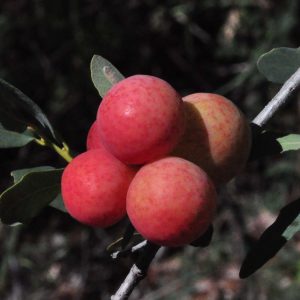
197, 46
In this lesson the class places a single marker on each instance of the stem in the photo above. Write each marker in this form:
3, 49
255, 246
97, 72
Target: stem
279, 99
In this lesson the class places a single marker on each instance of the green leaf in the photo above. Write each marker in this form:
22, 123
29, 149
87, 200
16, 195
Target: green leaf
58, 203
29, 195
104, 74
205, 239
289, 142
10, 123
273, 239
12, 139
19, 174
16, 107
279, 64
266, 143
292, 229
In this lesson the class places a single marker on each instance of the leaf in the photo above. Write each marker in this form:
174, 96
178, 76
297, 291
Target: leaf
29, 195
19, 174
292, 229
104, 74
279, 64
10, 123
266, 143
12, 139
289, 142
58, 204
273, 239
18, 108
205, 239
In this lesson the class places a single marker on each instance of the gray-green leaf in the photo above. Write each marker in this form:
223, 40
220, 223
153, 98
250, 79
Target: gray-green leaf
58, 203
279, 64
26, 198
19, 174
104, 74
12, 139
292, 229
289, 142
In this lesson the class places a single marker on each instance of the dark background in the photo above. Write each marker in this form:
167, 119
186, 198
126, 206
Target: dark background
197, 46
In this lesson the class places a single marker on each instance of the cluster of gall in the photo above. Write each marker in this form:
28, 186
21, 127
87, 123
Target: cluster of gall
158, 158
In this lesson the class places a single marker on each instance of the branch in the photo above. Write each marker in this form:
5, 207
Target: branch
137, 272
279, 100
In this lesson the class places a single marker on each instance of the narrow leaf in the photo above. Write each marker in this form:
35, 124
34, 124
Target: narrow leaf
279, 64
104, 74
26, 198
19, 108
273, 239
10, 123
292, 229
205, 239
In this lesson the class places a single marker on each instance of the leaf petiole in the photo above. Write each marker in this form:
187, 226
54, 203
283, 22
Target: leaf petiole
63, 151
